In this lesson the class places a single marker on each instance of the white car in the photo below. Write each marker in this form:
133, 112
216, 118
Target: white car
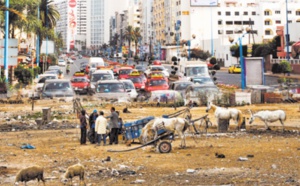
70, 61
130, 86
61, 62
153, 68
41, 80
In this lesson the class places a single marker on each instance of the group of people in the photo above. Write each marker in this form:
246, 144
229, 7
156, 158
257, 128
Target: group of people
100, 127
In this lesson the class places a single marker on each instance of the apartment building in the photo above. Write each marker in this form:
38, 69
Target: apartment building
62, 23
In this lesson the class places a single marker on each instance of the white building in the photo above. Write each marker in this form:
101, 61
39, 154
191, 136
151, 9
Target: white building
214, 25
61, 25
98, 18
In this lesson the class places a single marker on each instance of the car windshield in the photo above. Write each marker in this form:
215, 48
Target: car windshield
139, 67
43, 79
182, 86
110, 88
79, 79
203, 81
97, 77
125, 71
128, 85
157, 68
158, 82
51, 72
54, 68
136, 80
55, 86
194, 71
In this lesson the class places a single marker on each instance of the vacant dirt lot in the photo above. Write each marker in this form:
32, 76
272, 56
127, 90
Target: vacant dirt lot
272, 156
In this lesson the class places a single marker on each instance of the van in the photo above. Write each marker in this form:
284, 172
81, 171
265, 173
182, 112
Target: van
94, 62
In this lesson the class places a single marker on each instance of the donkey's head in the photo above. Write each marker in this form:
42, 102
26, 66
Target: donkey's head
208, 106
251, 117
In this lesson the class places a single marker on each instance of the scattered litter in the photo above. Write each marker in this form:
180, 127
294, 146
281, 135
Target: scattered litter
243, 159
188, 155
250, 156
190, 170
107, 159
220, 155
290, 180
27, 146
138, 181
274, 166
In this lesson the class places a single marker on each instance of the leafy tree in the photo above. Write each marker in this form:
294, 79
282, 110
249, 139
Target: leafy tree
129, 36
137, 37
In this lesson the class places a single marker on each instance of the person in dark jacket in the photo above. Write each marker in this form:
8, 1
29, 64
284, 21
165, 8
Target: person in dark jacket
92, 121
114, 126
83, 126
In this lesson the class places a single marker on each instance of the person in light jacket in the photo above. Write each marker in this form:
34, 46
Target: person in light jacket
100, 128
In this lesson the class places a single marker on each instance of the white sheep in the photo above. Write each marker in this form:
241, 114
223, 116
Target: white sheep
75, 170
30, 173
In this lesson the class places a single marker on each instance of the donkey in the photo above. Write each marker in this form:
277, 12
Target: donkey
269, 116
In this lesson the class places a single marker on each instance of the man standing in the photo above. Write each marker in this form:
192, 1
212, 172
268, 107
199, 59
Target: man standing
92, 120
114, 125
83, 125
101, 124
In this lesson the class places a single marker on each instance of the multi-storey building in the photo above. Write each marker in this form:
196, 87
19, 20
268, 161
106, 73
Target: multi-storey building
146, 16
62, 23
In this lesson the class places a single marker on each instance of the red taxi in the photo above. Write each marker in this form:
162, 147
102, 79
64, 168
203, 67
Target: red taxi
80, 83
138, 80
157, 73
156, 62
156, 82
124, 72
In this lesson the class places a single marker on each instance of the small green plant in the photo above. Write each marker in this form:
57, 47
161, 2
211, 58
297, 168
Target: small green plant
285, 66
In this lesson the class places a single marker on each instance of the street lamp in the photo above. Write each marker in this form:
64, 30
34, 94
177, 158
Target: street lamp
6, 41
287, 36
211, 28
242, 62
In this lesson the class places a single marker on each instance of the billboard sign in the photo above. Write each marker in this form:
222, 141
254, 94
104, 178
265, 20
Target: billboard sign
72, 24
204, 2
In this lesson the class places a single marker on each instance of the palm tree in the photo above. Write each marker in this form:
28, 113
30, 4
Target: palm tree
16, 18
48, 17
129, 35
137, 37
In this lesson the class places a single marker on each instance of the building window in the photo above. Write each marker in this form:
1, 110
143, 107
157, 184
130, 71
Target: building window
289, 12
219, 13
267, 13
238, 22
229, 23
298, 12
245, 13
236, 13
278, 22
267, 22
290, 21
220, 22
277, 12
229, 32
298, 21
228, 13
267, 32
220, 32
253, 13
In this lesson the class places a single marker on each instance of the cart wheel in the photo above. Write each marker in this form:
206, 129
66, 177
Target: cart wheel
164, 147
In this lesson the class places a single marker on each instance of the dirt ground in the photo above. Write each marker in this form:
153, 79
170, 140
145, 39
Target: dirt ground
272, 157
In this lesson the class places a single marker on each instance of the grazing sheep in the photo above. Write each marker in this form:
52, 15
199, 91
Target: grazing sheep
75, 170
30, 173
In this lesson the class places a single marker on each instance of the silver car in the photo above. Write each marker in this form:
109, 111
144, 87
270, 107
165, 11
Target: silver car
58, 88
112, 89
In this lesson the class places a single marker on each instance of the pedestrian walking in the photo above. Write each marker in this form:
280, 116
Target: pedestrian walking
92, 120
114, 126
83, 126
101, 125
